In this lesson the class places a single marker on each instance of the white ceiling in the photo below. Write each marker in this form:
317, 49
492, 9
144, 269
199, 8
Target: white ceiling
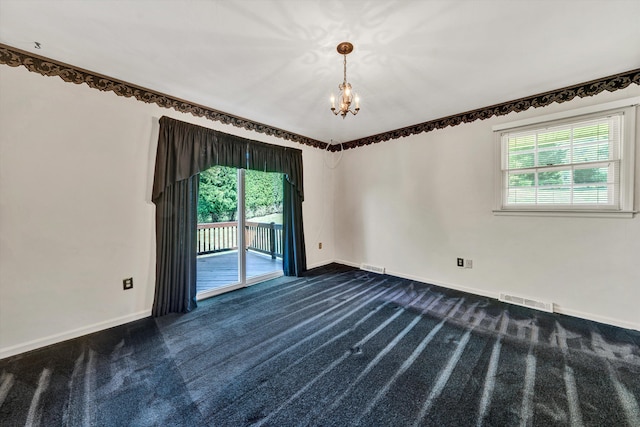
275, 61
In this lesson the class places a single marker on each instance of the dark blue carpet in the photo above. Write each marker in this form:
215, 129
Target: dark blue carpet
337, 347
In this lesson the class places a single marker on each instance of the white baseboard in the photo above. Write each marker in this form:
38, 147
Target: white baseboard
473, 291
597, 318
349, 263
320, 264
489, 294
75, 333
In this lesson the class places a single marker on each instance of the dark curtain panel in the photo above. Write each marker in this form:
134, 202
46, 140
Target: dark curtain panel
269, 158
294, 258
184, 150
176, 220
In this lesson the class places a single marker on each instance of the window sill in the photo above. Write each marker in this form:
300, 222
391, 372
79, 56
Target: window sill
565, 213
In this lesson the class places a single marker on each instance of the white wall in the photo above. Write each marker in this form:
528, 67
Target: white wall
416, 204
76, 171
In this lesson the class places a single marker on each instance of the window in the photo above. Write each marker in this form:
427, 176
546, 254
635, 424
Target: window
579, 162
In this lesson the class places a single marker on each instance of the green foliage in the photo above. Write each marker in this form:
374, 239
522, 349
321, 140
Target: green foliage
591, 175
218, 196
263, 193
590, 144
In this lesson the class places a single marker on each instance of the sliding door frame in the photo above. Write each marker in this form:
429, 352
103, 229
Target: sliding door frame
242, 244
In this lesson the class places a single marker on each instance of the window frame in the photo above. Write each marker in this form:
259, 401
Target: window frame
625, 206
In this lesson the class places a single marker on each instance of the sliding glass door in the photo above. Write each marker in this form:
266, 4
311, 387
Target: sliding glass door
218, 265
239, 236
263, 226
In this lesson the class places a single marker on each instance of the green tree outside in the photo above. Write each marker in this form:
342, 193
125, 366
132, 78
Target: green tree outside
218, 194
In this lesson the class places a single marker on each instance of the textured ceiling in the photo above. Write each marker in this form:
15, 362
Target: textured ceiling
274, 61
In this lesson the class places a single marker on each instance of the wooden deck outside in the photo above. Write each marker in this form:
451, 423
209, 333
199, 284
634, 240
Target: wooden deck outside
221, 269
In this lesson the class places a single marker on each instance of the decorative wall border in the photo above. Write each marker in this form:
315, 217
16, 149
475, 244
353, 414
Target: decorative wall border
69, 73
582, 90
49, 67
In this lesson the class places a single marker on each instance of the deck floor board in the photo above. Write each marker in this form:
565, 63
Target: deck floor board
217, 270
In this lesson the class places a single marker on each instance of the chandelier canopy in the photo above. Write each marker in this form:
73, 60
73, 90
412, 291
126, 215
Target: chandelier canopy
347, 96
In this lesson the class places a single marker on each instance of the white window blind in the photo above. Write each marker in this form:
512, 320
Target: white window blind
582, 162
574, 164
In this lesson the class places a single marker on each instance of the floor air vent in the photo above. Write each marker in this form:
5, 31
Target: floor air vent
372, 268
526, 302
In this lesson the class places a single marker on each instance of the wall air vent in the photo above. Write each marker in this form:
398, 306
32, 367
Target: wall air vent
526, 302
372, 268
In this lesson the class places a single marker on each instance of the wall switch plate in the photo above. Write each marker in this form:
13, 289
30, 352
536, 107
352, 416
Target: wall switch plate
127, 283
460, 262
468, 263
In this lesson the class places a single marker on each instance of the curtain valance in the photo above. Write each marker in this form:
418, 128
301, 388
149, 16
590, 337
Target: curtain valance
185, 150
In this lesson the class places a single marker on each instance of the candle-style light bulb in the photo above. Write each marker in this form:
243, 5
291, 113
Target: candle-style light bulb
357, 101
333, 101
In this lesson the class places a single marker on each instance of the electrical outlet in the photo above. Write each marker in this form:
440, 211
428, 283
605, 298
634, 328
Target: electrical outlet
468, 263
127, 283
320, 245
460, 262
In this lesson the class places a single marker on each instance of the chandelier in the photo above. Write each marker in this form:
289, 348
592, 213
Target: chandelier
347, 96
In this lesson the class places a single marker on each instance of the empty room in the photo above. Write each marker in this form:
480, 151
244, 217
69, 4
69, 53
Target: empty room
319, 213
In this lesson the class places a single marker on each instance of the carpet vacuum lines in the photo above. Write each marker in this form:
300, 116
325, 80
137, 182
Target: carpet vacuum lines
294, 286
610, 354
231, 399
317, 294
444, 374
232, 303
526, 411
201, 394
81, 411
281, 374
253, 297
407, 363
266, 307
328, 327
575, 415
430, 303
316, 303
254, 347
34, 416
6, 383
184, 352
334, 364
627, 400
490, 377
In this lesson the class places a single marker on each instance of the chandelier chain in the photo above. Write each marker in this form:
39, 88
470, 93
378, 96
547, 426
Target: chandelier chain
344, 62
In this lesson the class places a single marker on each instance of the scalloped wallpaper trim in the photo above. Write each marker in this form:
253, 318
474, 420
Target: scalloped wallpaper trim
49, 67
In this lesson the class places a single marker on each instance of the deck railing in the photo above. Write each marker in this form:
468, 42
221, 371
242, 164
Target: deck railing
265, 238
217, 237
223, 236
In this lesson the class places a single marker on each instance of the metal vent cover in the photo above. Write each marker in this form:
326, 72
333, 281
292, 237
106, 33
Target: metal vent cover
372, 268
526, 302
